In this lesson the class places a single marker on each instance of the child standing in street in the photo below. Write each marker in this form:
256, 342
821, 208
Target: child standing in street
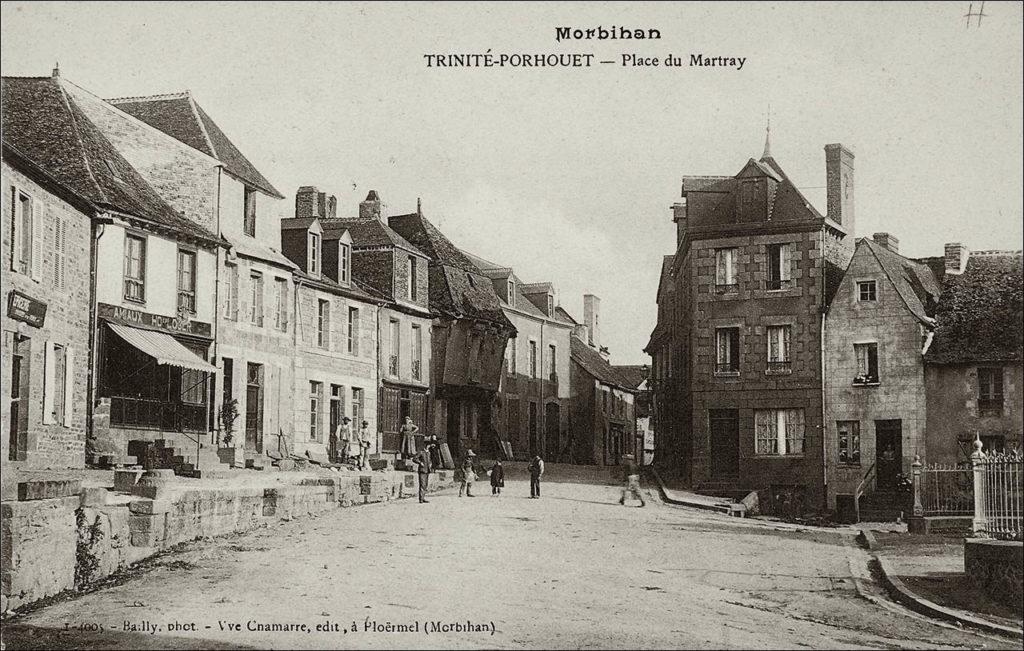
468, 476
536, 469
497, 478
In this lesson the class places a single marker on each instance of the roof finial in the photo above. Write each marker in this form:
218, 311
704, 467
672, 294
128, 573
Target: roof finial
768, 136
56, 69
419, 207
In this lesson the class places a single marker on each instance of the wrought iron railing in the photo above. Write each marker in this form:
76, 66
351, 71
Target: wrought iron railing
727, 368
946, 489
998, 493
779, 368
393, 365
417, 369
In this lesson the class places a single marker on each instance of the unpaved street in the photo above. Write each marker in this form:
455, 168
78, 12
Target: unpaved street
571, 570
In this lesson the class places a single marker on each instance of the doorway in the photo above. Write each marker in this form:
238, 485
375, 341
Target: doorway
725, 442
17, 436
254, 407
552, 414
889, 453
534, 443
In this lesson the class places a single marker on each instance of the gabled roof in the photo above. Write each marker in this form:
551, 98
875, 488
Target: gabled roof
980, 317
597, 366
457, 288
324, 283
367, 233
180, 117
43, 124
564, 316
914, 281
298, 223
636, 374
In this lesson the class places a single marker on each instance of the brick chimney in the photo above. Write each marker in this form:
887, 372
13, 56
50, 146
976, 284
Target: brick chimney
310, 202
371, 207
591, 318
888, 241
956, 257
839, 186
679, 217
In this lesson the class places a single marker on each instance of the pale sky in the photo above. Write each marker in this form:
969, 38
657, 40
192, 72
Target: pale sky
567, 175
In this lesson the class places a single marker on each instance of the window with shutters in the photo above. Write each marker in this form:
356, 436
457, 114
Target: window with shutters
323, 324
60, 252
256, 298
778, 267
58, 384
353, 330
281, 303
779, 432
231, 295
26, 236
134, 268
187, 281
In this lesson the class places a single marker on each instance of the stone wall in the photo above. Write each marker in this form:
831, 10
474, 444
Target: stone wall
996, 566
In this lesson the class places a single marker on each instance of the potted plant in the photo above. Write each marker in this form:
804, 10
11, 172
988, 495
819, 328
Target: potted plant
228, 453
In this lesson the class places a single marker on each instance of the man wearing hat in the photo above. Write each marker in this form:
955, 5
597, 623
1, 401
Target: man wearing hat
341, 440
632, 476
424, 466
468, 476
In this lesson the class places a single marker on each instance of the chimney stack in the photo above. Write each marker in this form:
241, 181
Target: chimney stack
310, 202
591, 318
956, 258
679, 217
370, 208
839, 186
888, 241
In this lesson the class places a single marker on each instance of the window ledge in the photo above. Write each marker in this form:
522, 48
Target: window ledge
867, 384
787, 371
779, 456
727, 373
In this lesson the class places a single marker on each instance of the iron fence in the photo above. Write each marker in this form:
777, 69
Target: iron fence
946, 489
999, 496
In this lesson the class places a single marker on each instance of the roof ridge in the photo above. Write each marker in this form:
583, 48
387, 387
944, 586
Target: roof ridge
81, 142
996, 252
150, 98
202, 125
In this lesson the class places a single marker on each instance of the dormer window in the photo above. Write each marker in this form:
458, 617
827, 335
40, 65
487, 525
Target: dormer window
313, 256
249, 218
344, 263
413, 290
511, 292
551, 305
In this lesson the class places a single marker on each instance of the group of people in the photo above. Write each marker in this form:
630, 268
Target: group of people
351, 447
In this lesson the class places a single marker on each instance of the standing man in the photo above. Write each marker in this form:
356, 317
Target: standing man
631, 475
536, 469
342, 436
422, 461
468, 476
364, 445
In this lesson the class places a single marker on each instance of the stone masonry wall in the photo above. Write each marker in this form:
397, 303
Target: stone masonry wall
997, 567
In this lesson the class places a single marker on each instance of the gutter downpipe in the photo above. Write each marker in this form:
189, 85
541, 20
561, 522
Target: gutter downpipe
824, 447
217, 316
97, 230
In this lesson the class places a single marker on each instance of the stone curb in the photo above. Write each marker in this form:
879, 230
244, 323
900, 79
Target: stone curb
670, 500
901, 593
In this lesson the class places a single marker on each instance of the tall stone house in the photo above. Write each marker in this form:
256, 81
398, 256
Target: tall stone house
85, 228
197, 169
877, 327
741, 357
379, 260
468, 338
602, 410
973, 368
532, 412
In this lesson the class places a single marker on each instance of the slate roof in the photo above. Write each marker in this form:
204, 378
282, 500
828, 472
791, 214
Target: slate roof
636, 374
324, 283
523, 304
457, 288
564, 316
367, 233
43, 124
180, 117
914, 281
598, 367
980, 317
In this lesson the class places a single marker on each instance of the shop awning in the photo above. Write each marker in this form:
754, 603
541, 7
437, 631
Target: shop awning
162, 347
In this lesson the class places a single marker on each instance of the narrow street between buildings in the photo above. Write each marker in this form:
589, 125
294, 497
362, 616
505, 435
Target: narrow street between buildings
570, 570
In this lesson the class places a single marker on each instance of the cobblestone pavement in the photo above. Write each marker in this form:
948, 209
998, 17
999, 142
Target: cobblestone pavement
571, 570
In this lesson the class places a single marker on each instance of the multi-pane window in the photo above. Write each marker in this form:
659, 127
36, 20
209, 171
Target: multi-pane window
725, 270
727, 350
281, 303
249, 217
533, 359
26, 235
413, 279
849, 441
323, 323
511, 293
551, 306
778, 349
867, 363
395, 343
313, 256
344, 263
867, 291
134, 268
316, 396
187, 281
779, 431
231, 302
357, 406
553, 362
990, 391
353, 331
256, 298
417, 352
778, 266
60, 251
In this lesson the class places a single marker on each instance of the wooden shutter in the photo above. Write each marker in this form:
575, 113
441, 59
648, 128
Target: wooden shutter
16, 234
37, 241
49, 368
356, 331
69, 385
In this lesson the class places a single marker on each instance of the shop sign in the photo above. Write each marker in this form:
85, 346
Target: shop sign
25, 308
180, 324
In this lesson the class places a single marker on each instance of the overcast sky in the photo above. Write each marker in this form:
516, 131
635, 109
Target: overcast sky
567, 175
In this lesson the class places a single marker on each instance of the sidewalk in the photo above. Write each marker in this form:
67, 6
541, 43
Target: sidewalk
926, 573
686, 498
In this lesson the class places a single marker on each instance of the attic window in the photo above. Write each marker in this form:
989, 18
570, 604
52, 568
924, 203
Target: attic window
512, 293
113, 170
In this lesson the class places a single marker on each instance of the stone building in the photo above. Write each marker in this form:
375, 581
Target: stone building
532, 411
468, 337
755, 267
365, 251
875, 334
197, 169
638, 377
149, 338
973, 377
335, 362
602, 412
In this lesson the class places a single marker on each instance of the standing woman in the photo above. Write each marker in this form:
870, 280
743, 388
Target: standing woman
408, 432
497, 478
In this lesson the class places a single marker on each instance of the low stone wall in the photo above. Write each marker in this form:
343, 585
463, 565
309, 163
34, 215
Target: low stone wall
997, 567
51, 545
